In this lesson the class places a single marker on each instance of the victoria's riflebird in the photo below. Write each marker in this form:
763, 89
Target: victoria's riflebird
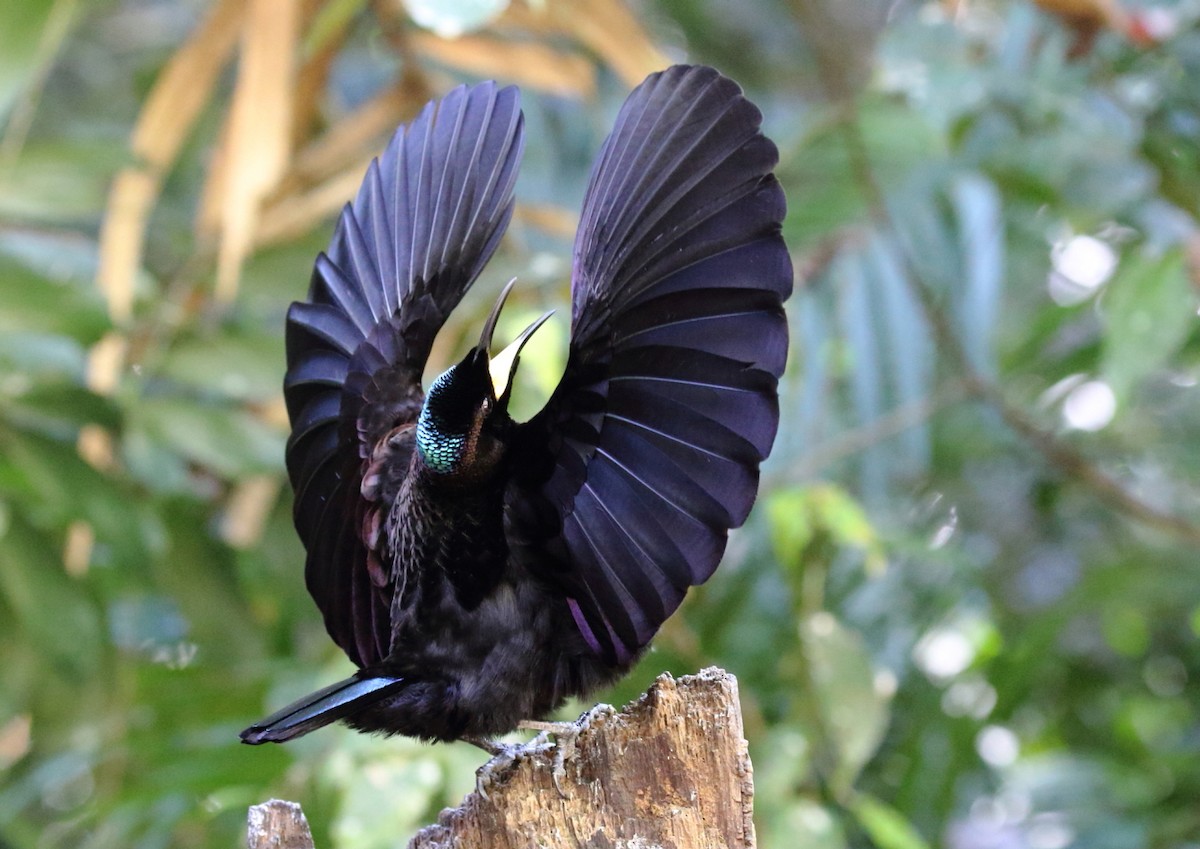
477, 570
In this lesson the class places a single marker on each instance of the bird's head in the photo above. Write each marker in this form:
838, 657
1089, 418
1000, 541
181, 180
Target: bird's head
460, 429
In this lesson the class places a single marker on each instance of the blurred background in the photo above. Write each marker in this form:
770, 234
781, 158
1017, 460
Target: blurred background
965, 611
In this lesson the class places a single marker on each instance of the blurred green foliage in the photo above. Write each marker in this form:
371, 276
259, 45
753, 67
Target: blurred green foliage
966, 611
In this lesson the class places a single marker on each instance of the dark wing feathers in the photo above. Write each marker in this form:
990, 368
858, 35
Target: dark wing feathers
648, 451
433, 211
430, 213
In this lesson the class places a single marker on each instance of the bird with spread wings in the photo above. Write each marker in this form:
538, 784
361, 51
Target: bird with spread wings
478, 570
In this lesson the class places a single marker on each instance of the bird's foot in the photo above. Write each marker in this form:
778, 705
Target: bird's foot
566, 735
504, 757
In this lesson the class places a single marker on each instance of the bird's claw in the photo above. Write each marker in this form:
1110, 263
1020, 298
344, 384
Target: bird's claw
504, 757
564, 747
566, 736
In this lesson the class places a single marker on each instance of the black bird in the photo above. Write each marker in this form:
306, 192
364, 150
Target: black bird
477, 570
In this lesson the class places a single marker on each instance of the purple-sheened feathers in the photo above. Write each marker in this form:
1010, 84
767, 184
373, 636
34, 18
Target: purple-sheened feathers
428, 217
622, 490
651, 444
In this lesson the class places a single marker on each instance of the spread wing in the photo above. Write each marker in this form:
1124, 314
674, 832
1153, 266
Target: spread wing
429, 214
648, 451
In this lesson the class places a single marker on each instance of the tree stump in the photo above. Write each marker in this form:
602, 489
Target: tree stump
669, 770
277, 825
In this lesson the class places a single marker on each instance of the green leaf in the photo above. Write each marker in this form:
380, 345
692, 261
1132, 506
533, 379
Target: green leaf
1126, 630
809, 825
331, 18
22, 38
59, 409
30, 302
38, 356
206, 592
782, 762
154, 464
897, 137
853, 710
791, 527
887, 827
226, 440
867, 383
61, 181
52, 609
235, 364
847, 522
1150, 308
53, 487
979, 213
798, 515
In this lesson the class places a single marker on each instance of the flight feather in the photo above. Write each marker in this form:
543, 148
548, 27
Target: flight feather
648, 451
430, 213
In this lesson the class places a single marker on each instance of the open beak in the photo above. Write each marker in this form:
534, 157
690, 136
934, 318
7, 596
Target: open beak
489, 326
504, 365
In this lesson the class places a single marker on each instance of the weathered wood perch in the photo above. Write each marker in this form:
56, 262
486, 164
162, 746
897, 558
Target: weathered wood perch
277, 825
669, 770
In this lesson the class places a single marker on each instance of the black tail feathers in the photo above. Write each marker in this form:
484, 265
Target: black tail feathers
319, 709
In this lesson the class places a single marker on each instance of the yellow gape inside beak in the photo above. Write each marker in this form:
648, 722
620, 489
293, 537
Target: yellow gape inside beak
504, 365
